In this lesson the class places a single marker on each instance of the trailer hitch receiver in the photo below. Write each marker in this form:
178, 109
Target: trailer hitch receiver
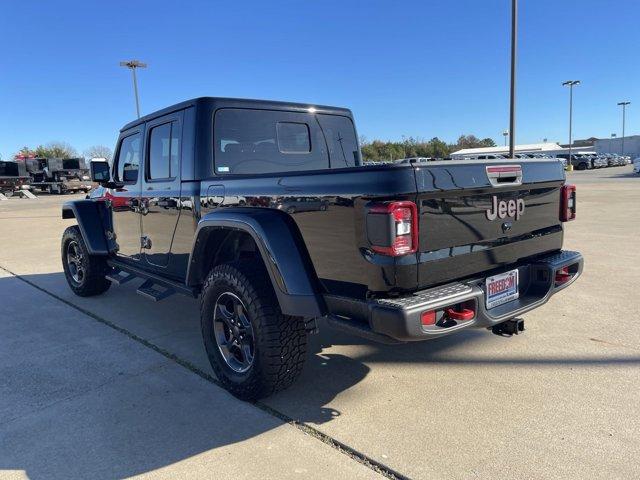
509, 328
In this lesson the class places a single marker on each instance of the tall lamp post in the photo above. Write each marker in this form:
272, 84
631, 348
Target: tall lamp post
132, 65
624, 111
570, 84
512, 99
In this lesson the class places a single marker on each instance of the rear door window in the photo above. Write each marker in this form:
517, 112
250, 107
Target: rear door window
250, 141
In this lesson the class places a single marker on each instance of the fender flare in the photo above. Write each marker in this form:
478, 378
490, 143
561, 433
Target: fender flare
281, 247
91, 217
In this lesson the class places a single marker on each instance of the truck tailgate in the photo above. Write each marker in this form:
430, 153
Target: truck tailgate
473, 218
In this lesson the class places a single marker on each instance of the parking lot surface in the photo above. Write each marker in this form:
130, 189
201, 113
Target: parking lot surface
116, 385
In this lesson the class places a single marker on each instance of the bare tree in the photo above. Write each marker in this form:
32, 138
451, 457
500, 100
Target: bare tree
98, 151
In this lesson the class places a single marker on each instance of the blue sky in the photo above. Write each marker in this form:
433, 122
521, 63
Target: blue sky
414, 68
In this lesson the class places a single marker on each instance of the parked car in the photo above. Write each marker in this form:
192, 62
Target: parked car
580, 161
636, 165
599, 161
405, 252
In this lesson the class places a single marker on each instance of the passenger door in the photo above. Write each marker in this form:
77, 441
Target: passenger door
161, 188
125, 201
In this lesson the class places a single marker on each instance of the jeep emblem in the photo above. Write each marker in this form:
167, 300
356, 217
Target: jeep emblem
505, 208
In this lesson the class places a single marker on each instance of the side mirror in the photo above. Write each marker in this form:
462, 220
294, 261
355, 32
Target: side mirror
100, 171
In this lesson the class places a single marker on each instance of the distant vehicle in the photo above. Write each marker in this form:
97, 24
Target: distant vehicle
636, 165
485, 157
13, 176
59, 175
599, 161
581, 161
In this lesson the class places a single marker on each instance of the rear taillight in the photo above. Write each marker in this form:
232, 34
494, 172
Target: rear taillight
567, 203
392, 228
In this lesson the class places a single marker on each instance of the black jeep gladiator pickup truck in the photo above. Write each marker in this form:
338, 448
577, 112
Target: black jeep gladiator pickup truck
265, 212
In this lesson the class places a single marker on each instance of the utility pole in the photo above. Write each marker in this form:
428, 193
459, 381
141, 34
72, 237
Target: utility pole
132, 65
512, 105
570, 84
624, 111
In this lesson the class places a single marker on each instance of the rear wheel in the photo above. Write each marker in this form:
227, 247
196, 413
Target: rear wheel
254, 349
85, 273
582, 166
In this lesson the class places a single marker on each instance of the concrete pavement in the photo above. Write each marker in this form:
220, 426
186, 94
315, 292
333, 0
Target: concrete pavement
560, 401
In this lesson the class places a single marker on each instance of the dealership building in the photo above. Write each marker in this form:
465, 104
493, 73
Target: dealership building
552, 149
548, 148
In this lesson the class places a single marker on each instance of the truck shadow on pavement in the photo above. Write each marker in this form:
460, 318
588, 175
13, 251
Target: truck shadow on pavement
81, 400
115, 386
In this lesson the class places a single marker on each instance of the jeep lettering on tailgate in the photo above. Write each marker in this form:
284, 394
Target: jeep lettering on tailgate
501, 209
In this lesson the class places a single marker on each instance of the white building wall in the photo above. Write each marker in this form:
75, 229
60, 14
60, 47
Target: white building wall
614, 145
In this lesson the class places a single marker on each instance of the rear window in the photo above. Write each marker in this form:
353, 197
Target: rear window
250, 141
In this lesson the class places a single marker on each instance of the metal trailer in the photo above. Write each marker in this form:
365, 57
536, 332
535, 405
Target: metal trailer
13, 179
59, 176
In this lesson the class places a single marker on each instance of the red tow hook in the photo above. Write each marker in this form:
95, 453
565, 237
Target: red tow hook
562, 276
461, 315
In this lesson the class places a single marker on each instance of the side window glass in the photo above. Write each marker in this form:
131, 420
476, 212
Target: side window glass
164, 151
341, 140
174, 170
128, 162
159, 151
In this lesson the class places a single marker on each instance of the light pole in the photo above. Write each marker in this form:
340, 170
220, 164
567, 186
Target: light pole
624, 111
512, 99
133, 64
505, 134
570, 84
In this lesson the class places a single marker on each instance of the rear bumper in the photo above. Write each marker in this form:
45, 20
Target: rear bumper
400, 318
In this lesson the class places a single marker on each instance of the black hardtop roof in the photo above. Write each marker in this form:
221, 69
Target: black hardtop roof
221, 102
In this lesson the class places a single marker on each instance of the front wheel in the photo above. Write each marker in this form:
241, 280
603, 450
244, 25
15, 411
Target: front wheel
254, 349
85, 273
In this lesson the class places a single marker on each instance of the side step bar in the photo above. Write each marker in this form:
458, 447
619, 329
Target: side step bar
155, 287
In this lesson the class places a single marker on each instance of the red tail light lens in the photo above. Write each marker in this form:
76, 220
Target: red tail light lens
567, 203
401, 219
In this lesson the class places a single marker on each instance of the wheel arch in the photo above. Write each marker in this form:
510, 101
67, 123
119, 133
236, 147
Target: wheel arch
276, 240
90, 216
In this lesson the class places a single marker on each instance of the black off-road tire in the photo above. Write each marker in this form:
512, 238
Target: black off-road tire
94, 268
280, 341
